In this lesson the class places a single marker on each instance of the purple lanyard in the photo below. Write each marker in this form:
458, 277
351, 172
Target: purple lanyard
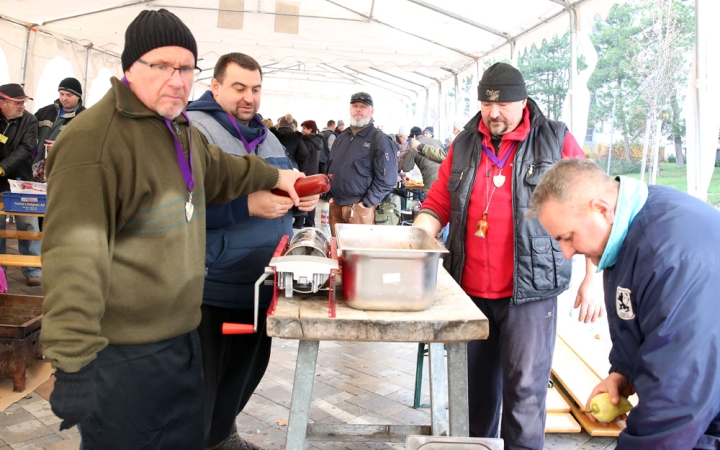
185, 168
249, 147
490, 154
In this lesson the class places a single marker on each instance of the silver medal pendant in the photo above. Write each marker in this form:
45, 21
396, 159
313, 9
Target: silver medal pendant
189, 208
499, 180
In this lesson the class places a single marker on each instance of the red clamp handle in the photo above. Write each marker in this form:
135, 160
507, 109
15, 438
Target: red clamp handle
237, 328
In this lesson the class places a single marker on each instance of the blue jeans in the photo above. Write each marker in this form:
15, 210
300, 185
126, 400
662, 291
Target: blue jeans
25, 247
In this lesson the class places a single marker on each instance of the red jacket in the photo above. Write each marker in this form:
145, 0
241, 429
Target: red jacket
488, 271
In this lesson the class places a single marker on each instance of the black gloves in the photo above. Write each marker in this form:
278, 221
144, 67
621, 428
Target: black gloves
74, 397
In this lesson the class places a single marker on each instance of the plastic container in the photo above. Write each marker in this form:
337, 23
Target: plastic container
24, 203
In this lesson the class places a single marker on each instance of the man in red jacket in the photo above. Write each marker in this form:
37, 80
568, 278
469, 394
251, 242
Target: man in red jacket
511, 268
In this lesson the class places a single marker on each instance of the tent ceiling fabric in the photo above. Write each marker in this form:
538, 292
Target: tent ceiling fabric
402, 38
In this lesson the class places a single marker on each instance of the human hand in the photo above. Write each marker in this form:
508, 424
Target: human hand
267, 205
49, 144
616, 385
590, 299
415, 143
308, 203
286, 182
74, 397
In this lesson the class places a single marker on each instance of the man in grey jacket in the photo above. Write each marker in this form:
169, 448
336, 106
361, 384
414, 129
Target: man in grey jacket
241, 238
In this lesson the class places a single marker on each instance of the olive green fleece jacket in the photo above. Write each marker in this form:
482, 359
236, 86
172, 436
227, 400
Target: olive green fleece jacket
121, 264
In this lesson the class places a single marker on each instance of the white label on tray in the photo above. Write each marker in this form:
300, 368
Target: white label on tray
391, 278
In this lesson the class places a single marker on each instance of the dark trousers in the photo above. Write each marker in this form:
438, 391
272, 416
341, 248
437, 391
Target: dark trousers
233, 366
511, 369
150, 397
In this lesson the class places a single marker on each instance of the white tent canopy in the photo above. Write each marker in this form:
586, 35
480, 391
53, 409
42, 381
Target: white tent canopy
314, 52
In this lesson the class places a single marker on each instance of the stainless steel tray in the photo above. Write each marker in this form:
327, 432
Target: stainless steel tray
388, 268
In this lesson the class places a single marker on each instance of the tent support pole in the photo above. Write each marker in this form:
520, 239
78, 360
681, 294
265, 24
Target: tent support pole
572, 79
23, 67
85, 77
427, 107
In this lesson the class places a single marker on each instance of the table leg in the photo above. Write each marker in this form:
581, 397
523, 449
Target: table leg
458, 389
301, 394
438, 389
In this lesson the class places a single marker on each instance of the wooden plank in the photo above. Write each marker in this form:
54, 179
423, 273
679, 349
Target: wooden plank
593, 428
555, 403
22, 235
561, 423
453, 317
20, 261
577, 378
593, 352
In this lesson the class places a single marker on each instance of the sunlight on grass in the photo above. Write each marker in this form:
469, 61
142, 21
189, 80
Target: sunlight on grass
676, 177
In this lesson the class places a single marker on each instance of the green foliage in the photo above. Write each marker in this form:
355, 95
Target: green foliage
676, 177
547, 71
619, 167
671, 159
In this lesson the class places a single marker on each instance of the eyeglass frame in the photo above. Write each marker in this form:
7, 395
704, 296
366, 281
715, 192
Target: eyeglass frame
195, 70
17, 103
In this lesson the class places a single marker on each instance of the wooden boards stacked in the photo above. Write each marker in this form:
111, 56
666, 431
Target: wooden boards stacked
579, 364
558, 418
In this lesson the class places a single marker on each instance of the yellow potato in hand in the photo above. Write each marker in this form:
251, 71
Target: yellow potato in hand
604, 411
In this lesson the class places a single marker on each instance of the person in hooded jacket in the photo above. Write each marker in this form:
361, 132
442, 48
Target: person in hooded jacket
291, 140
241, 238
310, 166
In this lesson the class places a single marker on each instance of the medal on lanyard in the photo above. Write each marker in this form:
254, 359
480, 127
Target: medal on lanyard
498, 180
185, 168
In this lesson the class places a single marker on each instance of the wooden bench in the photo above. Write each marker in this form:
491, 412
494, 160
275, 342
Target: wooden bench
21, 235
20, 260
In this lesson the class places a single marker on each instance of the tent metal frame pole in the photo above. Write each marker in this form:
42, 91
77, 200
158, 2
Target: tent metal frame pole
427, 107
399, 78
87, 65
26, 50
572, 79
401, 30
460, 18
700, 87
379, 79
74, 16
357, 78
250, 11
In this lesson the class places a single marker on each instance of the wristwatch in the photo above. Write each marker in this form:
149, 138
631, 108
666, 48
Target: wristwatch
365, 205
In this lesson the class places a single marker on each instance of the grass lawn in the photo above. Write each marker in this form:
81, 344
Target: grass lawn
676, 177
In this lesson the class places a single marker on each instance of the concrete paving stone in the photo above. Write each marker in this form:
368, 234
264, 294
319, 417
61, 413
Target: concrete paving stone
375, 403
40, 410
278, 395
356, 445
598, 443
24, 431
316, 413
247, 424
257, 402
39, 443
29, 399
405, 396
376, 370
71, 444
372, 419
409, 416
72, 433
375, 385
325, 374
330, 419
322, 389
272, 438
270, 415
14, 414
342, 395
283, 377
399, 364
346, 387
266, 384
349, 408
403, 379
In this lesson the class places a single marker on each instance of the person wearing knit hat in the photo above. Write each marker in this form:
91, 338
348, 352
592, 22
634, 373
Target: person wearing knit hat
55, 117
510, 267
429, 132
124, 249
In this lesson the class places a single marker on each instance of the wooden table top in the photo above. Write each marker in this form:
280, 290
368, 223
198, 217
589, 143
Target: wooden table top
453, 317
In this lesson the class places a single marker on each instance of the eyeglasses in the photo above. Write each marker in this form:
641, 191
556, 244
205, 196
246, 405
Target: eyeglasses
16, 103
187, 73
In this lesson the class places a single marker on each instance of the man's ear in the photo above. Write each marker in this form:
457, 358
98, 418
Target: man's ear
603, 208
215, 87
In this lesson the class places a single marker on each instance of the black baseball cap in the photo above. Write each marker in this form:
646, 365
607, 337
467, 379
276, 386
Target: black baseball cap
13, 91
362, 97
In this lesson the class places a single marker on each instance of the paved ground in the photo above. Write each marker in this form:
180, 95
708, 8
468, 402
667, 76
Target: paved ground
355, 383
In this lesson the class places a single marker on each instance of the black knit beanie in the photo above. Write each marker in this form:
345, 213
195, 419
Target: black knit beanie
155, 29
415, 131
72, 85
502, 83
